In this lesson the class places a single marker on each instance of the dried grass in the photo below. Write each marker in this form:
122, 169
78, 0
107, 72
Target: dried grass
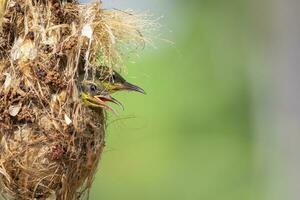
51, 143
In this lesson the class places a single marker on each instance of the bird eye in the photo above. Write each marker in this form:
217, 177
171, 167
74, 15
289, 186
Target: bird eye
93, 88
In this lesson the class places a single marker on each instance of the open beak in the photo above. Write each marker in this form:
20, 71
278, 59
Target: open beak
109, 98
99, 101
130, 87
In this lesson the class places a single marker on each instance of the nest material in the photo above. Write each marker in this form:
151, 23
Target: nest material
50, 142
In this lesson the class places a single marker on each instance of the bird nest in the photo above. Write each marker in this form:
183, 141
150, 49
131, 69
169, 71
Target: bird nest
51, 142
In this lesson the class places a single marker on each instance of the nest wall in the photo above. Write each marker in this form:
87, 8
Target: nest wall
50, 142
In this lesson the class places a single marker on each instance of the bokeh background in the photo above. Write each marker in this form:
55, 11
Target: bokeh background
192, 137
221, 117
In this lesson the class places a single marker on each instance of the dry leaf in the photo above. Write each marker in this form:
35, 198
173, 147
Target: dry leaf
14, 110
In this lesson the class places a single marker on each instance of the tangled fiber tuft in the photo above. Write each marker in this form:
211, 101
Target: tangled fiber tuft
50, 142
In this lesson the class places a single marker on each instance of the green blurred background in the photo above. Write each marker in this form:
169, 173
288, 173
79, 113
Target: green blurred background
190, 137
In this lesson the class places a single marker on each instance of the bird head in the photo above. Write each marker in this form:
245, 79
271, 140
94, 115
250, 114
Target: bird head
114, 82
94, 95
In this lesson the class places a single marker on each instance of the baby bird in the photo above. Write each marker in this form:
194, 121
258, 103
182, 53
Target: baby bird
95, 96
97, 93
113, 82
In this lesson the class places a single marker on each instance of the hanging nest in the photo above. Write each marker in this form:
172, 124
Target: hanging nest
50, 142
